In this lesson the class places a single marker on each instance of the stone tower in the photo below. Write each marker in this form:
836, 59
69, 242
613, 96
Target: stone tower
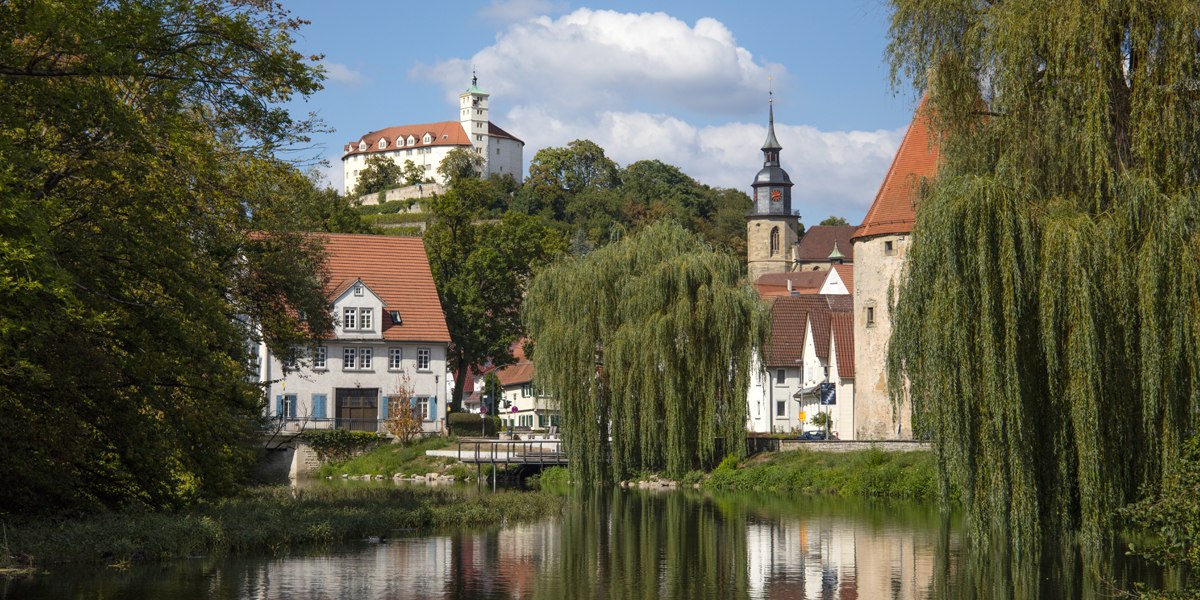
473, 115
771, 227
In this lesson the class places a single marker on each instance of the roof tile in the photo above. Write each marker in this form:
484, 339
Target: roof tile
894, 209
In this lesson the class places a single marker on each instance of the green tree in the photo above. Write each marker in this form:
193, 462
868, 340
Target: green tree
481, 269
647, 345
143, 245
834, 222
556, 175
460, 164
380, 173
1059, 242
412, 174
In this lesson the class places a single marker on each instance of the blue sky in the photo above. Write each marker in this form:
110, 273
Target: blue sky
682, 82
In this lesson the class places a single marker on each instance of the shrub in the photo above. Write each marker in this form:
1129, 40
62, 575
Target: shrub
464, 424
341, 444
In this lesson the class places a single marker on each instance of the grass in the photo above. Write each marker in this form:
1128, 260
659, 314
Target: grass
390, 459
867, 473
272, 520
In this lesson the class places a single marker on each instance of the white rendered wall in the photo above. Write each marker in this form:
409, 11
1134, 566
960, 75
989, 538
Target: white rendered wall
874, 271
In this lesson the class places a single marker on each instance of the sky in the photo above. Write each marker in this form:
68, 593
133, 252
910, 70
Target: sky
683, 82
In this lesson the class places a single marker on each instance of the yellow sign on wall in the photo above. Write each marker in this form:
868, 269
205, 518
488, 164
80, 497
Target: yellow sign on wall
803, 416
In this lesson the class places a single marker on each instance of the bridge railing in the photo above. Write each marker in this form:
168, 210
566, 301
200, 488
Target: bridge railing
507, 452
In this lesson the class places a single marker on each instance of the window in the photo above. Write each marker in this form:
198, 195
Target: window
365, 318
411, 140
382, 143
349, 318
394, 357
478, 125
870, 316
774, 241
781, 407
780, 376
422, 359
358, 290
889, 248
427, 139
364, 358
526, 390
497, 150
348, 356
395, 315
422, 408
478, 138
362, 145
478, 111
321, 357
286, 406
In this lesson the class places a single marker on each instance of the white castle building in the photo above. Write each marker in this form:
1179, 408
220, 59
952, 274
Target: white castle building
427, 144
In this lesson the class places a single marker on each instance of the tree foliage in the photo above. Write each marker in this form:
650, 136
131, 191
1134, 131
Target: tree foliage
481, 268
412, 174
834, 221
379, 173
460, 164
646, 344
1049, 322
136, 144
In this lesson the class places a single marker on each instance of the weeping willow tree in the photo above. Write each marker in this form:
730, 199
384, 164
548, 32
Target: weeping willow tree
646, 344
1048, 325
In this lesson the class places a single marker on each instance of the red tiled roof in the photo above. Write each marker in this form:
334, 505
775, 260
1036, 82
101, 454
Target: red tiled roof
397, 270
818, 242
893, 211
789, 317
445, 133
843, 336
770, 285
519, 372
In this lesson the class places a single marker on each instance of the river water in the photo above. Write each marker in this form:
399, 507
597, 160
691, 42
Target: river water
632, 544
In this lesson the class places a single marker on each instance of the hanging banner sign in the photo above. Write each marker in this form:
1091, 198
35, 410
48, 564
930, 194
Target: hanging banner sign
828, 394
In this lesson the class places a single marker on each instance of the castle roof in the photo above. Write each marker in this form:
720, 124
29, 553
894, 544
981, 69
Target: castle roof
443, 133
770, 285
894, 209
397, 270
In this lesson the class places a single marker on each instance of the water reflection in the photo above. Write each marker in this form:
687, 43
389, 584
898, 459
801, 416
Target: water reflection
633, 544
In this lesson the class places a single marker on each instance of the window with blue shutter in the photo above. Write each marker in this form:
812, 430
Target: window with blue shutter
318, 402
383, 408
279, 405
433, 408
290, 400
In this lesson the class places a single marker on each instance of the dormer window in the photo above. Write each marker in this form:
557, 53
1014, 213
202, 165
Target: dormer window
428, 139
399, 142
395, 316
362, 145
382, 143
411, 140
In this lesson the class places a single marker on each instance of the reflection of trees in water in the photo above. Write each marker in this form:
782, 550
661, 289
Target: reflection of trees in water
647, 545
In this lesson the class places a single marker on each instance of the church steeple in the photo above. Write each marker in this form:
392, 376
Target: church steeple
772, 186
771, 233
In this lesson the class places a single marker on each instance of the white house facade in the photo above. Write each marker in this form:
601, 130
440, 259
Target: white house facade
807, 334
427, 144
390, 340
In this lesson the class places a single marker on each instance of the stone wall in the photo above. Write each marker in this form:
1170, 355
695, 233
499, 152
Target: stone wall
304, 461
412, 192
853, 446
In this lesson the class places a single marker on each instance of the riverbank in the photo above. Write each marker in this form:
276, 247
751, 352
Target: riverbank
272, 520
870, 473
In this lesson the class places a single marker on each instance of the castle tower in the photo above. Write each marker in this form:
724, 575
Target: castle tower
771, 228
473, 115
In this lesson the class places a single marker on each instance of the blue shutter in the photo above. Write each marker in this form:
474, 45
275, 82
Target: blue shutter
433, 408
318, 401
292, 401
384, 408
279, 405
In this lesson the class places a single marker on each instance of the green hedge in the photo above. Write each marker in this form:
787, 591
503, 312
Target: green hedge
393, 218
463, 424
341, 444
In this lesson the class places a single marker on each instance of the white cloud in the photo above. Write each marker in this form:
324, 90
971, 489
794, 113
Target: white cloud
605, 60
649, 86
343, 74
511, 11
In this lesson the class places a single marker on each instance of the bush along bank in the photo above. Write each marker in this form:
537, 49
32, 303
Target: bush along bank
392, 460
869, 473
269, 520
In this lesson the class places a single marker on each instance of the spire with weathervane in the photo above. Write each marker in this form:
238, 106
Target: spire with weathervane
771, 227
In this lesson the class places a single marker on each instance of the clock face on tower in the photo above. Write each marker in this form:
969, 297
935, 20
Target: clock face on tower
776, 195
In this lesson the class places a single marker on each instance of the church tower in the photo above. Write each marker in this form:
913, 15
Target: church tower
771, 228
